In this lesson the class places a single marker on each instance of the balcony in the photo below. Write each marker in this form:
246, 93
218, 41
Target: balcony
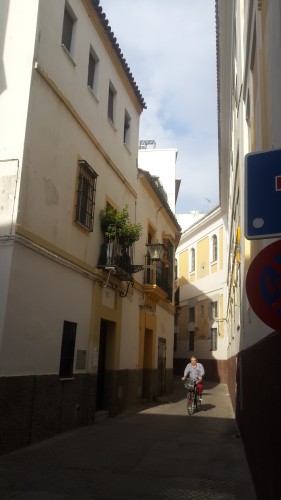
119, 260
159, 275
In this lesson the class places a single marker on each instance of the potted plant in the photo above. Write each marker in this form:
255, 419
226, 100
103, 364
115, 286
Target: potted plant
129, 233
108, 223
118, 229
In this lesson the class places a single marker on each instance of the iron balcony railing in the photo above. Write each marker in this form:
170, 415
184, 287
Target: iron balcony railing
159, 274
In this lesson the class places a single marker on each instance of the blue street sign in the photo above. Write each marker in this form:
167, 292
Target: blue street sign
263, 194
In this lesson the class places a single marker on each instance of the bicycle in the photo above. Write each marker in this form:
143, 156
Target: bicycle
192, 398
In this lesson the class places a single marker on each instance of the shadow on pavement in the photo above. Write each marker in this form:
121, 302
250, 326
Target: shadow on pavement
206, 407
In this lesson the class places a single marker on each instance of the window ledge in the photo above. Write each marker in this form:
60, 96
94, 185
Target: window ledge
111, 123
93, 93
66, 379
66, 51
127, 147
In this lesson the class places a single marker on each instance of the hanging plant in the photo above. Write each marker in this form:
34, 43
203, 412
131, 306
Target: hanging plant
117, 225
108, 223
129, 233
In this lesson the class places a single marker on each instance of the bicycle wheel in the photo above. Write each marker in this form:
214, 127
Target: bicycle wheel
198, 402
190, 403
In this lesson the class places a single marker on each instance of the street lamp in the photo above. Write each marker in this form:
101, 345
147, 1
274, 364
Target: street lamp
155, 250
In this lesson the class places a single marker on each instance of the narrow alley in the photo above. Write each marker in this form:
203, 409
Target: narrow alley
157, 453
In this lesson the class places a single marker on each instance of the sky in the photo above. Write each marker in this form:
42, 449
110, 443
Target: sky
170, 47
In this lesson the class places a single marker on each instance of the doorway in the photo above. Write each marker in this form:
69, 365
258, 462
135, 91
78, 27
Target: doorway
161, 366
147, 364
101, 366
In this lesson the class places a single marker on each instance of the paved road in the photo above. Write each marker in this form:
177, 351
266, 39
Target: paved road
157, 453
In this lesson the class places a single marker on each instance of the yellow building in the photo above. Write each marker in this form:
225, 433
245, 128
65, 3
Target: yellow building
200, 327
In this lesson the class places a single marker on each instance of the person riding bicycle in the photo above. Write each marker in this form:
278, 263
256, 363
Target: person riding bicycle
195, 371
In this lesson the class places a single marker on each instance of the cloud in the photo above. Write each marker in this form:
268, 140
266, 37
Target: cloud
170, 48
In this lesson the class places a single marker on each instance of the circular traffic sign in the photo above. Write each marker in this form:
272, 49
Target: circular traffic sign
263, 285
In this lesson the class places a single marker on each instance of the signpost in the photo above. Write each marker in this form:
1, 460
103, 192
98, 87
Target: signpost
263, 285
263, 194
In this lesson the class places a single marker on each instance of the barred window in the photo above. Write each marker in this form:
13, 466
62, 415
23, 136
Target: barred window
86, 193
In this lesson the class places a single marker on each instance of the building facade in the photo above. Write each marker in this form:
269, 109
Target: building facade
77, 334
249, 77
200, 325
162, 164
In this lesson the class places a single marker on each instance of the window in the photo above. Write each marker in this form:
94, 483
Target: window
214, 248
67, 349
68, 28
192, 260
92, 70
111, 102
214, 309
127, 129
191, 341
192, 314
86, 192
202, 311
214, 339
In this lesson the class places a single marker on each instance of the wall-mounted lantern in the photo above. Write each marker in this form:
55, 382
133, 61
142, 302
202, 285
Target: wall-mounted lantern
155, 251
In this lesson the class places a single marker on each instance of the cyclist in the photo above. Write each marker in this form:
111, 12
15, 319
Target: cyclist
195, 371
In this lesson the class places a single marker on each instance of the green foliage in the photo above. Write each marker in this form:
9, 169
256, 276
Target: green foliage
108, 222
117, 225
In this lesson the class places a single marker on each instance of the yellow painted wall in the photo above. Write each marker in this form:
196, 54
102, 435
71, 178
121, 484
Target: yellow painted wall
113, 315
214, 268
147, 340
203, 258
183, 267
202, 319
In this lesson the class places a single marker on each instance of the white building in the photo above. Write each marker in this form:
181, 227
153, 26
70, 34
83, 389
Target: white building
72, 333
162, 164
249, 79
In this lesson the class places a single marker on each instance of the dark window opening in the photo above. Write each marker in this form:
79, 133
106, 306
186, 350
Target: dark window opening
67, 30
91, 71
192, 314
67, 349
127, 129
110, 109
